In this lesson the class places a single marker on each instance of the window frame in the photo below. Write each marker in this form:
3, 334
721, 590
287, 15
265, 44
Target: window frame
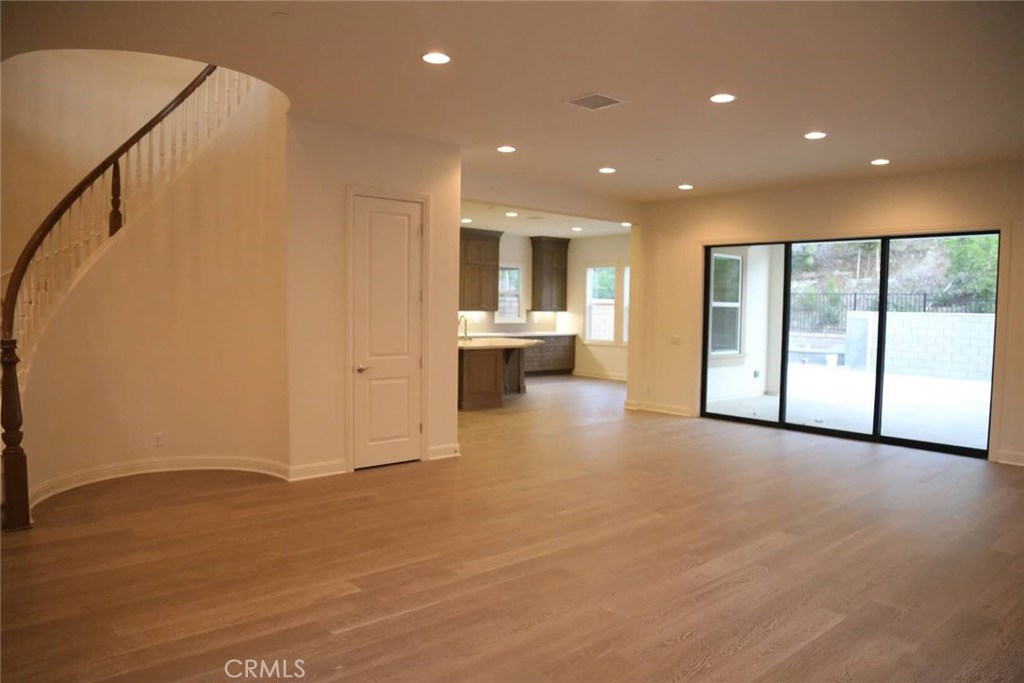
737, 306
588, 302
499, 319
624, 330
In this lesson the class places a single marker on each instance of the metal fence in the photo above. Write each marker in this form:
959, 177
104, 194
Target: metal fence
826, 313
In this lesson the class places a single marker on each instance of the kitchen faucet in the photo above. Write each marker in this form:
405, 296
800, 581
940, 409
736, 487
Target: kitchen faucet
464, 322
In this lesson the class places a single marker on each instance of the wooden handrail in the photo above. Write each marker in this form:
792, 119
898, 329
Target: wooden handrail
21, 266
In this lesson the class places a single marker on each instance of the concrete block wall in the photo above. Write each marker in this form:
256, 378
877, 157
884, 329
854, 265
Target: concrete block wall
956, 345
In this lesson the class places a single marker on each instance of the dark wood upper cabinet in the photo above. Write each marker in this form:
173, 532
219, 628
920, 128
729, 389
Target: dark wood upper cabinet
478, 269
550, 273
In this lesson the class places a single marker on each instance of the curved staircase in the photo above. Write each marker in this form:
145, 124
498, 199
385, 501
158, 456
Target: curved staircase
77, 231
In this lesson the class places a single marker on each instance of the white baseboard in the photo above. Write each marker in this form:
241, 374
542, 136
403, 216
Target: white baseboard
326, 468
448, 450
1008, 458
666, 408
599, 375
66, 482
315, 470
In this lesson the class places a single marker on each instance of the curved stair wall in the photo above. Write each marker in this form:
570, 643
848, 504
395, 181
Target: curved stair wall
168, 351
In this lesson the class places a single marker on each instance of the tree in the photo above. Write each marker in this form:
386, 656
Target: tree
973, 265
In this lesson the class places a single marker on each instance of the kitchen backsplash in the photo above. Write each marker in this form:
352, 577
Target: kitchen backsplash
483, 322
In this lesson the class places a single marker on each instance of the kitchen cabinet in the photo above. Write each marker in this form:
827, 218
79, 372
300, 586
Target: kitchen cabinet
550, 273
478, 269
557, 354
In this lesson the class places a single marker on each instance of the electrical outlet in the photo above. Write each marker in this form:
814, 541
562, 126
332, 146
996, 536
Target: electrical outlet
158, 439
757, 373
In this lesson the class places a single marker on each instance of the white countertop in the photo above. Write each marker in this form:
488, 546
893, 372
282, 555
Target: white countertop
497, 343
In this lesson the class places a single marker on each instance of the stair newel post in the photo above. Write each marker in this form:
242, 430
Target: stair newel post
116, 219
16, 512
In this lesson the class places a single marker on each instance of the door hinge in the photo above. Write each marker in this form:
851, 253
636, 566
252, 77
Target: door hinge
421, 363
421, 296
421, 427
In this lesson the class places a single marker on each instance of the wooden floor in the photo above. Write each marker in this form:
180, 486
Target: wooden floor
573, 541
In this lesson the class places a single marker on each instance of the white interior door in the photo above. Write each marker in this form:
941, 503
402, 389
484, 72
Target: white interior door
386, 262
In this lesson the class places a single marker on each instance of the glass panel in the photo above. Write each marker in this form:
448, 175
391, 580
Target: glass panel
508, 294
601, 304
833, 335
940, 331
602, 283
745, 336
725, 329
726, 278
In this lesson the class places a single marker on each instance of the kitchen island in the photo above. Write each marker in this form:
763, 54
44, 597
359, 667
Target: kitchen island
489, 368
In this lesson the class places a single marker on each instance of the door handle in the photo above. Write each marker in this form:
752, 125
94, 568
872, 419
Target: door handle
362, 368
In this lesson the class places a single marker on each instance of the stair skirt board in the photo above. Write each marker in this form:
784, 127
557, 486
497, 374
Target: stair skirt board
66, 482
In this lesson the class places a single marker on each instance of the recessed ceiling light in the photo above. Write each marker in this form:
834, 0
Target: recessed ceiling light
686, 186
626, 224
436, 58
577, 228
722, 98
511, 214
506, 149
880, 162
467, 220
815, 135
606, 170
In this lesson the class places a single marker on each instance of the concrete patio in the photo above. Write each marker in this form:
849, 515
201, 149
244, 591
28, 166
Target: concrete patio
934, 409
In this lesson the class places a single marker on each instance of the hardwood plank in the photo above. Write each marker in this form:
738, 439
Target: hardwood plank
573, 541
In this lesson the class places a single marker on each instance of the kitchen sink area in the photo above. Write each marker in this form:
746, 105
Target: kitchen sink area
492, 366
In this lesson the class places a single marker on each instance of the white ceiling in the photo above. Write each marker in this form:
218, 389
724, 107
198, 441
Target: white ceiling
532, 223
923, 84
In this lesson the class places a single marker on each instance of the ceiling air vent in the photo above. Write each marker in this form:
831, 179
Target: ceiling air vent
594, 101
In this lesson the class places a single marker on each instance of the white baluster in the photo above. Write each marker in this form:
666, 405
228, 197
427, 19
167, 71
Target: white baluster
149, 162
139, 189
163, 160
194, 104
81, 247
227, 95
173, 165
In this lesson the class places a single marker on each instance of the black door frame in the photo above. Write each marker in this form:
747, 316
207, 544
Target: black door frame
876, 435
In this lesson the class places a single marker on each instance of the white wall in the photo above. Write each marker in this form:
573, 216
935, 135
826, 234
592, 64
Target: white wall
63, 112
668, 259
325, 164
178, 328
607, 360
512, 191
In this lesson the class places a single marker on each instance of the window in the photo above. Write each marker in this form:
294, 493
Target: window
600, 304
625, 304
510, 296
726, 277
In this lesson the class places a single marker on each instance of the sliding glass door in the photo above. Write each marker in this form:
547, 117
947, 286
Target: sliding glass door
830, 373
745, 321
889, 339
939, 339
